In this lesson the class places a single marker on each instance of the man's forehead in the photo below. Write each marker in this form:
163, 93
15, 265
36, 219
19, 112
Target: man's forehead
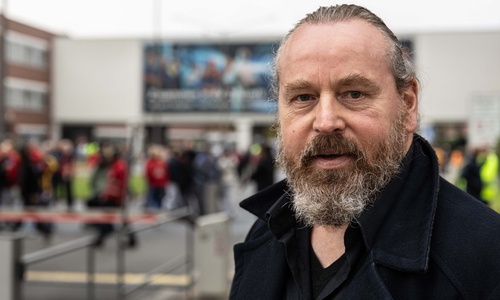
350, 35
353, 45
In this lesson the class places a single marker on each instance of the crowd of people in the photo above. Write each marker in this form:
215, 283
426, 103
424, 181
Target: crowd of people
475, 171
41, 175
204, 180
36, 173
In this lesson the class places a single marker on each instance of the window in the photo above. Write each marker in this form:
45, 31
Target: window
25, 99
26, 55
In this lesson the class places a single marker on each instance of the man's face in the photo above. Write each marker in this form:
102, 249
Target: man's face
343, 127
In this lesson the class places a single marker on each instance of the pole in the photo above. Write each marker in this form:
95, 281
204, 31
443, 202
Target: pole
157, 18
90, 273
10, 259
120, 263
189, 257
120, 245
124, 232
3, 72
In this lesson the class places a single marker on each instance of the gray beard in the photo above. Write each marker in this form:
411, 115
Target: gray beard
336, 197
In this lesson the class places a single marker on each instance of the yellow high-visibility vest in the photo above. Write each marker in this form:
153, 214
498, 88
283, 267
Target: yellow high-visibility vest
489, 173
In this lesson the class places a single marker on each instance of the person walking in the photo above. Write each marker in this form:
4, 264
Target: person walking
109, 184
30, 172
157, 177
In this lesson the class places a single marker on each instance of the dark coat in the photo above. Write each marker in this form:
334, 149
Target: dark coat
436, 243
472, 174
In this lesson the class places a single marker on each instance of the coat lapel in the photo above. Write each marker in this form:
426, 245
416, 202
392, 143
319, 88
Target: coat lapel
261, 265
403, 241
366, 285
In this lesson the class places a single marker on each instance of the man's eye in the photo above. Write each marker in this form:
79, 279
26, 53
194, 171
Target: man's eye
354, 95
303, 97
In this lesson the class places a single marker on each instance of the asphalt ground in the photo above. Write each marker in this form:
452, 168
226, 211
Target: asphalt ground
64, 277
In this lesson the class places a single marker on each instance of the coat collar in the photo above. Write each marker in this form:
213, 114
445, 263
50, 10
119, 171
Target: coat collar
403, 239
399, 239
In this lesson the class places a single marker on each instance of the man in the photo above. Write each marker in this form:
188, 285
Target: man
363, 213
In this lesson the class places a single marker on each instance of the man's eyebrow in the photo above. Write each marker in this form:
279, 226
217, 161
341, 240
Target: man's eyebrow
356, 79
296, 85
352, 79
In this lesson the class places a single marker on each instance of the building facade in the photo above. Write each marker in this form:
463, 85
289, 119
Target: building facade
118, 89
26, 102
101, 91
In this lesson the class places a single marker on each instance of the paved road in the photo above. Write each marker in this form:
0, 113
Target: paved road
63, 278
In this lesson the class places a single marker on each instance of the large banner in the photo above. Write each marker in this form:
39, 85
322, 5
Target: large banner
207, 78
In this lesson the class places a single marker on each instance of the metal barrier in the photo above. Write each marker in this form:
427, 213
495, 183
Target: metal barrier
65, 248
12, 265
169, 266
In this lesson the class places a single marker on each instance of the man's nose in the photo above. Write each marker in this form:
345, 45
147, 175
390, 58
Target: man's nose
329, 116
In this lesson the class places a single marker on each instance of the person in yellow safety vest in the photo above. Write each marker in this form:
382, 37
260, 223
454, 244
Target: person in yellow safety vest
489, 175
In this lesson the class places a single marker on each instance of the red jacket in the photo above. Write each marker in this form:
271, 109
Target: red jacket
116, 184
12, 170
157, 173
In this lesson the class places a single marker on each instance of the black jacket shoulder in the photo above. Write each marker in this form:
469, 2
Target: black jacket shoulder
466, 243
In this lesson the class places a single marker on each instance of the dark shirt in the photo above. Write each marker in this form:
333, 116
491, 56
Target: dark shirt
303, 281
321, 276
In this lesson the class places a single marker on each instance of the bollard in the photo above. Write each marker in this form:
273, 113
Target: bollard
10, 268
211, 255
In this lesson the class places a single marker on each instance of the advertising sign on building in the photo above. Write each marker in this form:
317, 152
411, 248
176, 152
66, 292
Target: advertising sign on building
484, 120
207, 78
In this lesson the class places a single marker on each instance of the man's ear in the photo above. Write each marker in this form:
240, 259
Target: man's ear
410, 98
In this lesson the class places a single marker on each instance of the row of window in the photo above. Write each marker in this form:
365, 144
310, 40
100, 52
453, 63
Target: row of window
26, 55
26, 99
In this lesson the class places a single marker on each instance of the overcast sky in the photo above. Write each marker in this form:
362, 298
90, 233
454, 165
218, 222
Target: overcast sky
236, 18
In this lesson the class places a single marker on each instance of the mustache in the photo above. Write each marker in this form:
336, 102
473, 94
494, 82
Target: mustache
334, 144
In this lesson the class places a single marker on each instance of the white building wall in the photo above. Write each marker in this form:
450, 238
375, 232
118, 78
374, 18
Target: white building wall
100, 81
97, 81
453, 68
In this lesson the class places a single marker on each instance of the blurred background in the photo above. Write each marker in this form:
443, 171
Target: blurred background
130, 130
